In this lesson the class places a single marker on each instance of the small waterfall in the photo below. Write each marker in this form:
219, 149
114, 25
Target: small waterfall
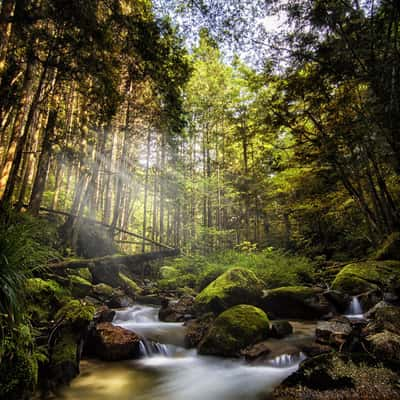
355, 309
287, 360
149, 348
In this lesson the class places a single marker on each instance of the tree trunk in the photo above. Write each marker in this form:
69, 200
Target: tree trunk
43, 164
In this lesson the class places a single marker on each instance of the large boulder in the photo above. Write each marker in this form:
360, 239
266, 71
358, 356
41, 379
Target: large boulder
113, 343
390, 249
383, 317
235, 286
72, 322
234, 330
297, 302
339, 376
177, 311
368, 276
385, 345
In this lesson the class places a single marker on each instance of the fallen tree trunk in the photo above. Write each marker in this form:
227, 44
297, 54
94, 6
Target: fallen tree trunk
127, 260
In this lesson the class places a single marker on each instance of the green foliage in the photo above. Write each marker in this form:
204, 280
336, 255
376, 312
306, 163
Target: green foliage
24, 250
76, 313
274, 267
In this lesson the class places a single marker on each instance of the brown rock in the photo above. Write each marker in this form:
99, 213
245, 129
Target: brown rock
258, 352
177, 311
113, 343
335, 332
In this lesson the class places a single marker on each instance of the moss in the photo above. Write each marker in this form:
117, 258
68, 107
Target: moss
81, 272
77, 313
233, 287
80, 286
44, 297
235, 329
18, 375
65, 350
298, 292
360, 277
103, 290
131, 286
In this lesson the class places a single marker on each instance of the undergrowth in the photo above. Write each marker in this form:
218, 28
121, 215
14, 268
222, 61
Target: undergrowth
275, 267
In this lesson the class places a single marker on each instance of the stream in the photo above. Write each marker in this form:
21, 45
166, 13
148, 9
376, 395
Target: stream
168, 371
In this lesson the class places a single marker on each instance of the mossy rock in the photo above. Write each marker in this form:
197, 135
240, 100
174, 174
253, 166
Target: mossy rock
18, 376
297, 302
102, 291
366, 276
130, 286
339, 376
234, 330
385, 345
390, 249
82, 272
235, 286
44, 298
76, 314
80, 286
64, 363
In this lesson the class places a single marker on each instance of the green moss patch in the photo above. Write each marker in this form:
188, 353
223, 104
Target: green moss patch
235, 286
235, 329
360, 277
76, 313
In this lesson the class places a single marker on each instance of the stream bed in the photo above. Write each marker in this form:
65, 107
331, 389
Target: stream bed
168, 371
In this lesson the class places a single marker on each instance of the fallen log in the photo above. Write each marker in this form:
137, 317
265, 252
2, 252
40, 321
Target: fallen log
127, 260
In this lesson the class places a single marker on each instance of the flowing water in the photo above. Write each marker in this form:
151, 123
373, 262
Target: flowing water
354, 310
168, 371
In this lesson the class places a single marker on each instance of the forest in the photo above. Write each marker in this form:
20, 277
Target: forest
199, 199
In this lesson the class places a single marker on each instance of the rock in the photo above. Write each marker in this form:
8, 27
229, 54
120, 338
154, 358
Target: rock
335, 332
72, 321
113, 343
153, 299
107, 273
177, 311
383, 317
390, 249
257, 352
280, 329
196, 329
234, 330
76, 314
339, 300
119, 299
104, 314
80, 286
368, 276
235, 286
385, 345
130, 287
339, 376
45, 297
82, 272
297, 302
315, 349
102, 292
64, 361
